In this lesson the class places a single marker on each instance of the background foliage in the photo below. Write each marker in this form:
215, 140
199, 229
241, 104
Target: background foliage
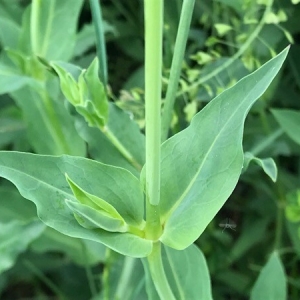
227, 40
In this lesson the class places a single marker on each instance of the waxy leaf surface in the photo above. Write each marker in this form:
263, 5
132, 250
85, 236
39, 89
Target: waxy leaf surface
187, 274
125, 131
267, 164
15, 237
201, 165
271, 282
41, 179
289, 121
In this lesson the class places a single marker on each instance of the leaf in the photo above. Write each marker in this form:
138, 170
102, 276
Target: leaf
123, 278
271, 282
55, 28
12, 127
292, 209
50, 126
11, 79
96, 91
201, 165
267, 164
289, 121
15, 237
90, 218
41, 179
187, 274
92, 201
87, 94
222, 29
14, 207
81, 251
125, 131
9, 32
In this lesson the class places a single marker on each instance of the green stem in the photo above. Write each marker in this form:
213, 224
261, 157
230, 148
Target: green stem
127, 271
153, 67
158, 274
52, 287
242, 49
114, 140
88, 270
279, 224
100, 39
180, 45
34, 26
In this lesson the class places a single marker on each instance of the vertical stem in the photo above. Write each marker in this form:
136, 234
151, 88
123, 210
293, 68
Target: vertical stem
100, 39
180, 44
34, 26
158, 274
153, 67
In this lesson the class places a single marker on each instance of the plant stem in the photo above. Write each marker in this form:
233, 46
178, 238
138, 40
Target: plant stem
88, 270
158, 274
114, 140
34, 26
180, 45
52, 287
127, 271
100, 40
153, 67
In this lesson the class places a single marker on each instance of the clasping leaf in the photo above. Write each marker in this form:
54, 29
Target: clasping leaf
93, 212
87, 94
200, 166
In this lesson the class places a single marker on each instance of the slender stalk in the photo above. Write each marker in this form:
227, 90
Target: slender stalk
158, 274
153, 67
52, 287
100, 39
88, 271
34, 26
126, 154
180, 45
123, 283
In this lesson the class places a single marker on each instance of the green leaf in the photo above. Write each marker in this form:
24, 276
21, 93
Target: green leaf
87, 95
292, 209
14, 207
201, 165
11, 79
50, 126
90, 200
222, 29
90, 218
15, 237
289, 121
267, 164
187, 274
41, 179
96, 91
9, 33
54, 34
126, 131
271, 282
123, 278
81, 251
